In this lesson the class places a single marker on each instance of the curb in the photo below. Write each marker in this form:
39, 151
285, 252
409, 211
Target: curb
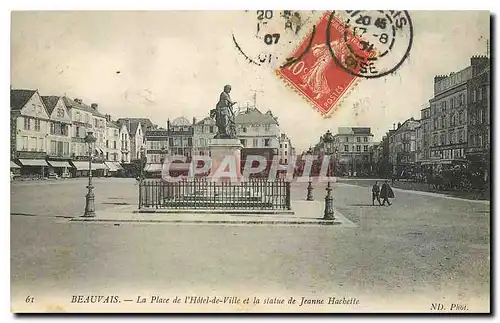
188, 211
315, 222
425, 193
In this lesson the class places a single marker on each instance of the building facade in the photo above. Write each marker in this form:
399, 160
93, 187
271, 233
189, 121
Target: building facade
124, 144
31, 121
449, 117
479, 112
180, 137
156, 145
419, 142
286, 151
257, 130
136, 128
86, 119
204, 131
403, 146
59, 136
352, 147
424, 137
156, 150
112, 145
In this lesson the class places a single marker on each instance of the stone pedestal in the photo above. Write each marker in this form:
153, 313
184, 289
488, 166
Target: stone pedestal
226, 159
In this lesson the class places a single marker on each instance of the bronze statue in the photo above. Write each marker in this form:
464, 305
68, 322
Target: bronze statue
224, 115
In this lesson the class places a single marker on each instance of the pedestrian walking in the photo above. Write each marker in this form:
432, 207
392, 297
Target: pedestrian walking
386, 193
376, 194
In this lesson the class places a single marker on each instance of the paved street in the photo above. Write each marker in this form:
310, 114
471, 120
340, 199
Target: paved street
421, 250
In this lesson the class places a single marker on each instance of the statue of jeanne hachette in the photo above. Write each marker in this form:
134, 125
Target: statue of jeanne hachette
224, 115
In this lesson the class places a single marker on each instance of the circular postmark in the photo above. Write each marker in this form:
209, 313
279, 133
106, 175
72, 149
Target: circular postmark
373, 43
265, 37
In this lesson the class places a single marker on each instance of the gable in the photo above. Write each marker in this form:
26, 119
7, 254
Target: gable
124, 129
60, 112
139, 129
19, 98
35, 107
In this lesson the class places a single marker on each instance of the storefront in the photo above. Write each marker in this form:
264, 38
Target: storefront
114, 168
153, 170
60, 167
35, 168
81, 169
99, 169
15, 170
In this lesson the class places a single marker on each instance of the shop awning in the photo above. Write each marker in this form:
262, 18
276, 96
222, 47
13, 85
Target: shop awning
111, 166
14, 165
118, 166
59, 163
99, 166
151, 168
81, 165
33, 162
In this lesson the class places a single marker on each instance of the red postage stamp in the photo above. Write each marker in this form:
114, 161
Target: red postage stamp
314, 70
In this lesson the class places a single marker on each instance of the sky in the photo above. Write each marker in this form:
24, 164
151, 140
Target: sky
166, 64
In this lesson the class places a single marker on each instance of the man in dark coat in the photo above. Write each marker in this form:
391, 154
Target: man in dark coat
386, 193
376, 194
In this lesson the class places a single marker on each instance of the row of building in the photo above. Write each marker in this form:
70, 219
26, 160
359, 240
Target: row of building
48, 136
257, 131
352, 148
453, 129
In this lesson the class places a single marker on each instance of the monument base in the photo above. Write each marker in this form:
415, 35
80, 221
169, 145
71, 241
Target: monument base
226, 160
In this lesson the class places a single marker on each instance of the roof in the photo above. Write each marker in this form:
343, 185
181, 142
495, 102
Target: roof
408, 121
204, 121
254, 116
112, 124
180, 121
361, 130
354, 131
134, 124
50, 102
19, 98
72, 104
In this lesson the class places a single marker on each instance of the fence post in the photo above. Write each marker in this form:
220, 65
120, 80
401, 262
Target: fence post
140, 195
288, 197
309, 191
328, 203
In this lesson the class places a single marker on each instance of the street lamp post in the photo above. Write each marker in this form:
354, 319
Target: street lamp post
89, 198
143, 164
336, 162
328, 140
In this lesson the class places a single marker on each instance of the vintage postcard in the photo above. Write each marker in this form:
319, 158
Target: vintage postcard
250, 161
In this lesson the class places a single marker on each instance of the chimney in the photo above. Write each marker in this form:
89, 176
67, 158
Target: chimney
479, 63
94, 106
128, 125
438, 78
399, 125
108, 117
168, 124
194, 120
79, 101
393, 126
